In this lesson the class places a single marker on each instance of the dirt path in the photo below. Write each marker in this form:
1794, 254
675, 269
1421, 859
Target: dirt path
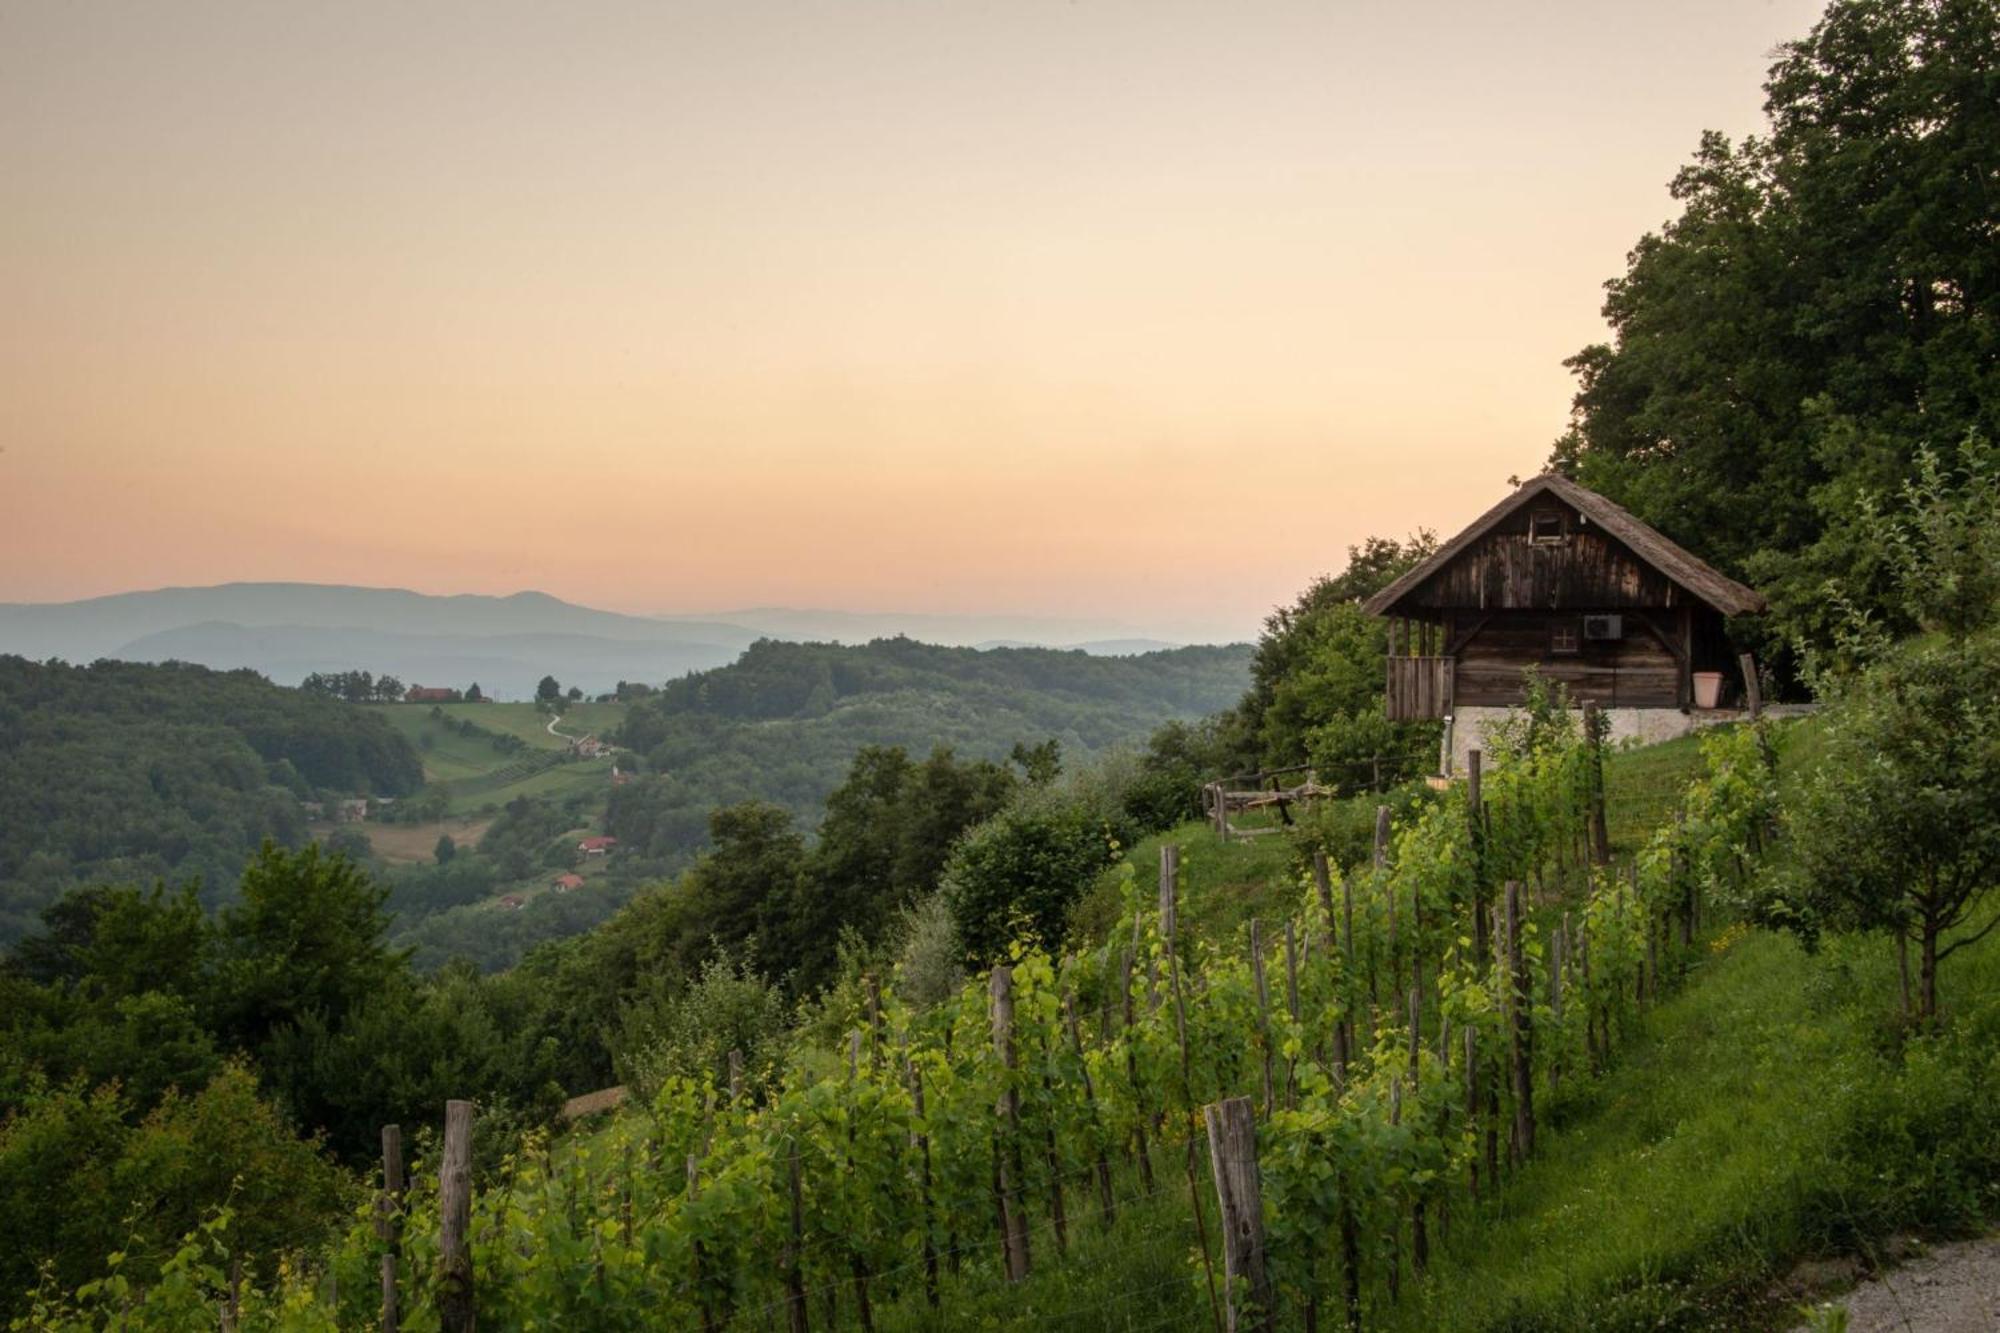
1950, 1289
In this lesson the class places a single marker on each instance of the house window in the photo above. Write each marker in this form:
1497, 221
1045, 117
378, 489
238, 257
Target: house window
1547, 526
1566, 636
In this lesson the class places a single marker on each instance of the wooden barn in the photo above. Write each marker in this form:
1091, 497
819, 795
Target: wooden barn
1558, 578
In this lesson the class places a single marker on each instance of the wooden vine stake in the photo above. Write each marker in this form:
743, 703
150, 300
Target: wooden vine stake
793, 1259
1141, 1149
455, 1297
1292, 1004
1013, 1222
1521, 1005
1232, 1155
1382, 865
1600, 836
389, 1222
1170, 873
1263, 1013
921, 1141
1323, 882
700, 1259
1107, 1204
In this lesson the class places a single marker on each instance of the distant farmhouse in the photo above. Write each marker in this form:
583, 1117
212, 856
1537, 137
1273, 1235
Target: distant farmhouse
1558, 578
566, 881
597, 846
431, 694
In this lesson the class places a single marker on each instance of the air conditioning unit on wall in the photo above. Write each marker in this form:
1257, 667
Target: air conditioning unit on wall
1604, 627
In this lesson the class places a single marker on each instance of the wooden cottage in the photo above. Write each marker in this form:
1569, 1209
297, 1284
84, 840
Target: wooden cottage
1558, 578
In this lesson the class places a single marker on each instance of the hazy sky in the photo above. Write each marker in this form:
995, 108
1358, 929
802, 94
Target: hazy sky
1133, 310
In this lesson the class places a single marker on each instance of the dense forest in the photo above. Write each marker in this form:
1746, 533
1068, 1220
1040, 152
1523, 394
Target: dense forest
1824, 312
123, 772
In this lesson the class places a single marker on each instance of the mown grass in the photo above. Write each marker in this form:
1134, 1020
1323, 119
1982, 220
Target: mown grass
1772, 1111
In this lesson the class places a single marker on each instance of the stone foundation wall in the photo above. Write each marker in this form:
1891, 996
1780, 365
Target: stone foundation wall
1465, 731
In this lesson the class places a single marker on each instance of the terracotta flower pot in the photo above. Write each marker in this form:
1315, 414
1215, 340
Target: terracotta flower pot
1707, 689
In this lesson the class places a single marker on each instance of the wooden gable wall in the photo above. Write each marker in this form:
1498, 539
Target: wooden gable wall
1506, 570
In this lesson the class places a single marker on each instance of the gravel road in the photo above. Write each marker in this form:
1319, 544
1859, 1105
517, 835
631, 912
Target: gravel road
1950, 1289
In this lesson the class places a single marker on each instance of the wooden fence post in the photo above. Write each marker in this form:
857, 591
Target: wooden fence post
455, 1297
389, 1222
1753, 693
1522, 1004
1232, 1154
1013, 1223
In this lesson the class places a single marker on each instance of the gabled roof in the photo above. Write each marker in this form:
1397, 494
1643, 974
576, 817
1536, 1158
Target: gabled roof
1704, 581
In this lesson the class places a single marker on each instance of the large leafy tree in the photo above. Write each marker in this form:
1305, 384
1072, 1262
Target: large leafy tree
307, 938
1316, 678
1826, 303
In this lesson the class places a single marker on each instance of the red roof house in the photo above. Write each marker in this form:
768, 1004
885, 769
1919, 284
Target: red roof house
566, 881
597, 846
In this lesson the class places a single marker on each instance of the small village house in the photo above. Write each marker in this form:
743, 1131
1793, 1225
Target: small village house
431, 694
1560, 579
566, 881
352, 810
597, 846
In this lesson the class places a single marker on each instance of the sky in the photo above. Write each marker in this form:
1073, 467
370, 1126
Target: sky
1133, 311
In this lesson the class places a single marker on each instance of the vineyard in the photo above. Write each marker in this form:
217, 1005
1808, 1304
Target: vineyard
1284, 1124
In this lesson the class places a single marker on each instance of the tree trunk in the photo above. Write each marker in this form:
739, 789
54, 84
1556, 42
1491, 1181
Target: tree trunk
1927, 977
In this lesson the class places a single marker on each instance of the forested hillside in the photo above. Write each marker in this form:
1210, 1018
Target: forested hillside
783, 722
124, 772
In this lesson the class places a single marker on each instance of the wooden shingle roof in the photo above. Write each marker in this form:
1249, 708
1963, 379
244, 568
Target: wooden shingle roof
1695, 575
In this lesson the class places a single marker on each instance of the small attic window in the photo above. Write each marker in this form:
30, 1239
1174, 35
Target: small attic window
1546, 526
1566, 636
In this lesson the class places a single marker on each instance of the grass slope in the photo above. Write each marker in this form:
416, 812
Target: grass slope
1770, 1113
481, 776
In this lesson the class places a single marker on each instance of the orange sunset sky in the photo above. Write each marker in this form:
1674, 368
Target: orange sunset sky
1140, 311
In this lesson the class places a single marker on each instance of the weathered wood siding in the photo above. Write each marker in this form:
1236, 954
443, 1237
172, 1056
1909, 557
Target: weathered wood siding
1506, 570
1419, 688
1637, 671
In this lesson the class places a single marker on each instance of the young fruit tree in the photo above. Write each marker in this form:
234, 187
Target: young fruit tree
1898, 827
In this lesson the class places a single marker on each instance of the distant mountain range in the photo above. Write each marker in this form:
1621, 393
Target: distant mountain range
506, 644
1100, 638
